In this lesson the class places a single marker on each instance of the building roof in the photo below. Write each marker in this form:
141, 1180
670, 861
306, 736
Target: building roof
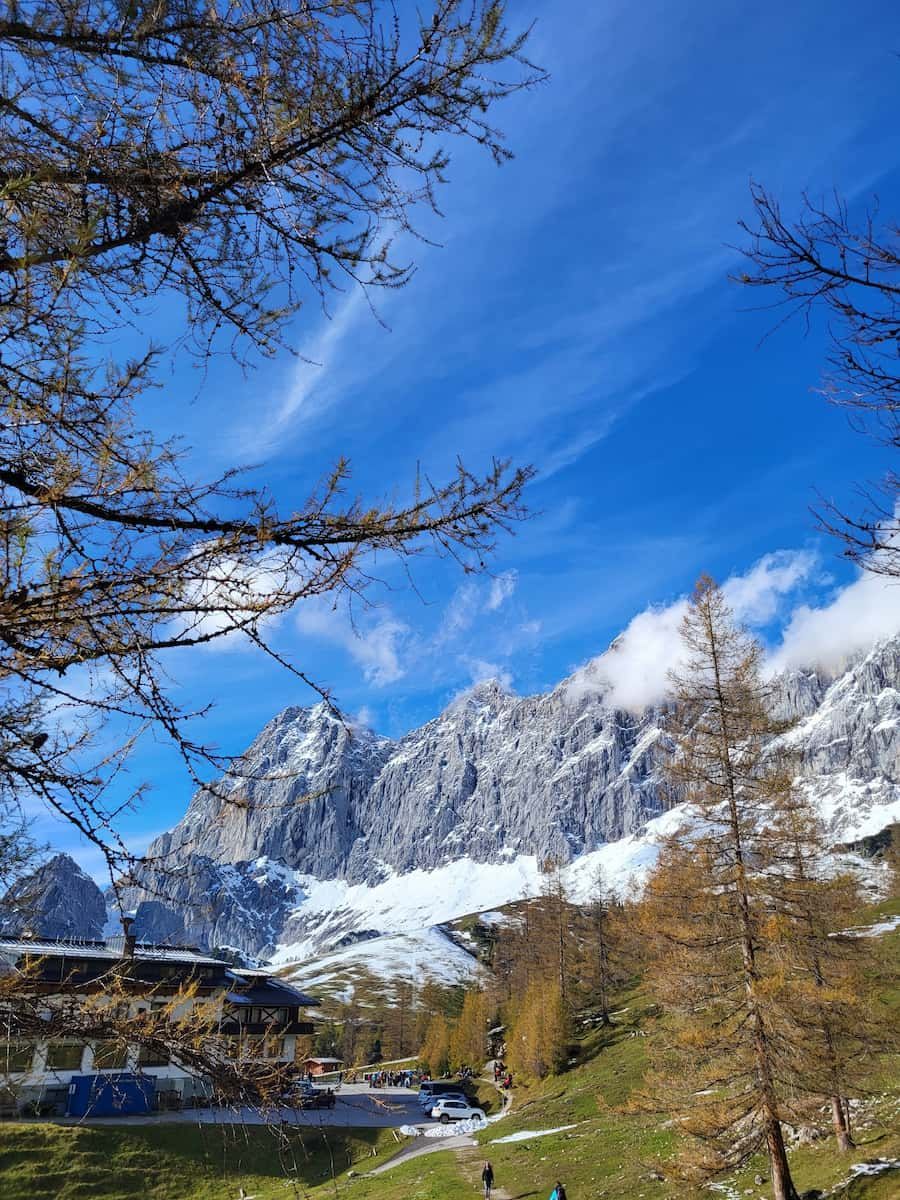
264, 989
260, 994
93, 949
317, 1058
248, 987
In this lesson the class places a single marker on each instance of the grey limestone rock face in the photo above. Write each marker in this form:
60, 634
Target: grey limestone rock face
497, 775
850, 744
201, 902
494, 776
57, 900
296, 796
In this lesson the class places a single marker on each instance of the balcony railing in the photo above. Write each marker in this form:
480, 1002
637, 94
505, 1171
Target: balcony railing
280, 1028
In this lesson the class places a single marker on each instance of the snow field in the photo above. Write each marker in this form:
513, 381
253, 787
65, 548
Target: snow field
525, 1135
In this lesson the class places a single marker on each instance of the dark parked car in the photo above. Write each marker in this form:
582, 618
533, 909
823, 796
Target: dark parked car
316, 1098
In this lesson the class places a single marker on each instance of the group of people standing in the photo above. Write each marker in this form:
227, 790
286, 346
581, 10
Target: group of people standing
380, 1079
502, 1077
487, 1182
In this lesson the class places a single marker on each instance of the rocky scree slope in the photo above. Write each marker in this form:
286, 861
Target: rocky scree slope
493, 778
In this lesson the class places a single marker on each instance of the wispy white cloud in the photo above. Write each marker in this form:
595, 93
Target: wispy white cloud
313, 379
850, 621
460, 612
375, 642
756, 596
232, 595
634, 671
502, 587
364, 717
388, 649
481, 670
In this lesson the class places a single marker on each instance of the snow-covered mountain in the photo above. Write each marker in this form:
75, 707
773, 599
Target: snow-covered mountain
327, 841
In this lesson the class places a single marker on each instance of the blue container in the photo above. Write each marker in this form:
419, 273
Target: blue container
117, 1094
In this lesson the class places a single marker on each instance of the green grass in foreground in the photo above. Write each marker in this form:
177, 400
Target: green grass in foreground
177, 1162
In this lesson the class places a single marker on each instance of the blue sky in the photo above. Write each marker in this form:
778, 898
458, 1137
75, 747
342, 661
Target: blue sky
577, 315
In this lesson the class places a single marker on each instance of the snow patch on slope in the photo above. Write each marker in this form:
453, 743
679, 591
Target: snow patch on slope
421, 899
417, 955
405, 909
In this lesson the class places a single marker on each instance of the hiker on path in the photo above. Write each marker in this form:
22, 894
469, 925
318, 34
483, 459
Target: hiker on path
559, 1192
487, 1178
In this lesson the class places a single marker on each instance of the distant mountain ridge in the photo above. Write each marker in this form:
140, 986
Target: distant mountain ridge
494, 774
494, 779
328, 834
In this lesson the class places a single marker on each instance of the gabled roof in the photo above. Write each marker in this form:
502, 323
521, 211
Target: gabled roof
266, 990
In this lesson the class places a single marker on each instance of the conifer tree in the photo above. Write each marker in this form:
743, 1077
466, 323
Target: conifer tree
826, 978
435, 1051
538, 1037
556, 911
433, 1000
399, 1020
468, 1042
722, 1073
892, 859
225, 164
600, 943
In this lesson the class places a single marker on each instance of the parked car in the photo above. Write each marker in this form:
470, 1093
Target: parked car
429, 1100
441, 1087
317, 1098
446, 1110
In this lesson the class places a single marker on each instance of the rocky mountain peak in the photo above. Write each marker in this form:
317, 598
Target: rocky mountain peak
56, 900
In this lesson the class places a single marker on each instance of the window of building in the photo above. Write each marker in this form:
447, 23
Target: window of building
110, 1056
150, 1057
16, 1056
64, 1056
267, 1016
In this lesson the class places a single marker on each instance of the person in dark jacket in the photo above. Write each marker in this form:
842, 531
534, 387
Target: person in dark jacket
559, 1192
487, 1179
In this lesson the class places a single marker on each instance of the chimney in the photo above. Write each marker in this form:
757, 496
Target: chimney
129, 940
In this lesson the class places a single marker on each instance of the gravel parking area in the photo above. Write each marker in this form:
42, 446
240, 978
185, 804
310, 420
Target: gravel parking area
355, 1105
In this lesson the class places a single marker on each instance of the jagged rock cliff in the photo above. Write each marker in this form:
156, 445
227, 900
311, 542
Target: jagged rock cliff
493, 775
56, 900
298, 795
493, 778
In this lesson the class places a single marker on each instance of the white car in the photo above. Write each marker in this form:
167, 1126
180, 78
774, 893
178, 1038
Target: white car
449, 1109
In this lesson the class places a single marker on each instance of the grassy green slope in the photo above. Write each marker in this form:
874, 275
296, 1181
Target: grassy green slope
176, 1162
612, 1152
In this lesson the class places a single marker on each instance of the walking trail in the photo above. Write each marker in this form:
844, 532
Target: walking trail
417, 1147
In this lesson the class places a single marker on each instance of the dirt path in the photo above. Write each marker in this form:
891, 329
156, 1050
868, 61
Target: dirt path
417, 1147
470, 1166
